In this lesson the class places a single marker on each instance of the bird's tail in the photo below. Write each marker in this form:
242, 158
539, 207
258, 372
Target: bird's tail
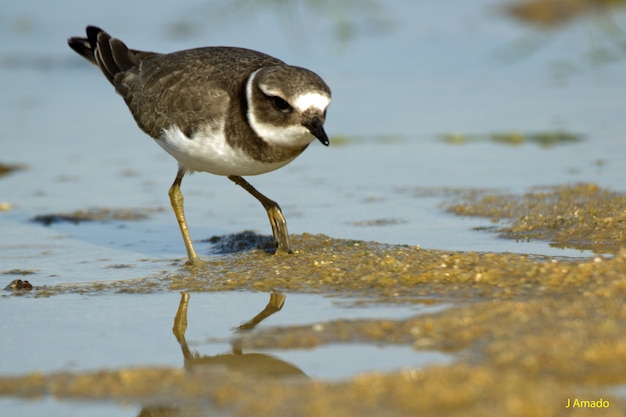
111, 55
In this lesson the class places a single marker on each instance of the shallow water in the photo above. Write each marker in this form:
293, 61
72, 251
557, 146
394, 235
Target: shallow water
55, 408
116, 330
432, 68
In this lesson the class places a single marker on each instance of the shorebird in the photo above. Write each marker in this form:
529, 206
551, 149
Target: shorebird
225, 110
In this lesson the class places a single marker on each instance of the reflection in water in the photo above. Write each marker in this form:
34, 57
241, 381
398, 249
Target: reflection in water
252, 364
607, 28
553, 13
545, 139
347, 19
236, 363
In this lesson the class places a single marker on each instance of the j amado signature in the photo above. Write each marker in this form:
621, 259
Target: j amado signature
578, 403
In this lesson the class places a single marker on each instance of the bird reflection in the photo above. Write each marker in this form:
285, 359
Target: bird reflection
252, 365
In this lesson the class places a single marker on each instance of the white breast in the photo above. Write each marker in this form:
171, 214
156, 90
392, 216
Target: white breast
208, 151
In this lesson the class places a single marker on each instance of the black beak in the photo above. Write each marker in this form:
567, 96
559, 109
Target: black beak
316, 127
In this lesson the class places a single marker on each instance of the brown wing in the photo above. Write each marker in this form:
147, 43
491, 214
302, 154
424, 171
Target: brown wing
186, 88
175, 89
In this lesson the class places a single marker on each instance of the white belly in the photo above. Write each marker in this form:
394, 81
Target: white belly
209, 152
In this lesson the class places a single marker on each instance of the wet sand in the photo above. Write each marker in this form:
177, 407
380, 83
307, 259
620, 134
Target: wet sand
529, 333
581, 216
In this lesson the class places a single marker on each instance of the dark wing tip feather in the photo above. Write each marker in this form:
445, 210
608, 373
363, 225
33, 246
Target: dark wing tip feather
111, 55
92, 35
108, 53
82, 47
86, 47
123, 57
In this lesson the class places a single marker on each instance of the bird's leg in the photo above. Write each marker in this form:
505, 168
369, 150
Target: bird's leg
277, 220
177, 200
277, 300
180, 327
180, 321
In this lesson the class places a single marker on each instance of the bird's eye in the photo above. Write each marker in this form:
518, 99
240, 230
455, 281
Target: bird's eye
280, 104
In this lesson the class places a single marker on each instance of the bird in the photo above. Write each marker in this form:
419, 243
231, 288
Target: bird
228, 111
